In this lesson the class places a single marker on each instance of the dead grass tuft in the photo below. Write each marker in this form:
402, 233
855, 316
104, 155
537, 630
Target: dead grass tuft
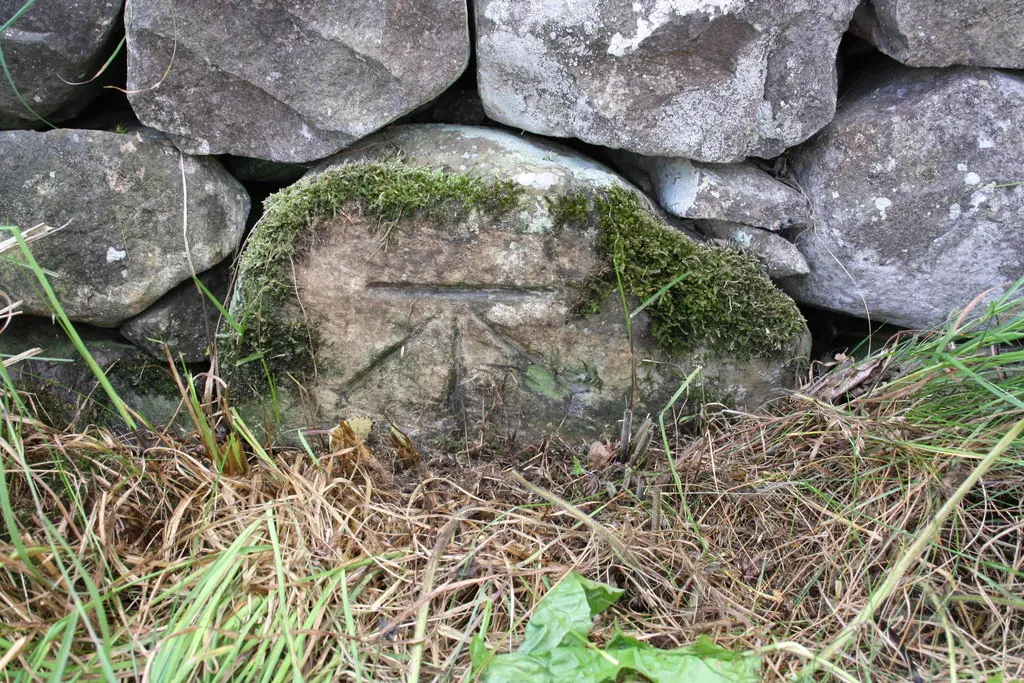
132, 556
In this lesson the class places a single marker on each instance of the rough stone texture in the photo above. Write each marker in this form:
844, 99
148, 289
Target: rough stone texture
780, 257
468, 323
121, 197
184, 319
284, 80
66, 391
51, 41
911, 221
739, 193
712, 80
933, 33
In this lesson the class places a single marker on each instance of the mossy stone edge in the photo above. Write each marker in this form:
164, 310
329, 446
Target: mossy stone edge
725, 304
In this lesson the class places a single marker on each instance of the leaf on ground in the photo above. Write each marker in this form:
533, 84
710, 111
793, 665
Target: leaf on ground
407, 452
568, 608
556, 648
348, 442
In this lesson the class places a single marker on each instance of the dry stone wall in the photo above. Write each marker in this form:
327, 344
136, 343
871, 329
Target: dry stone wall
864, 156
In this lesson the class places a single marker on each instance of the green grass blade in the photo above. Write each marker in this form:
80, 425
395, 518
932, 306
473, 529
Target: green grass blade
70, 331
230, 319
657, 295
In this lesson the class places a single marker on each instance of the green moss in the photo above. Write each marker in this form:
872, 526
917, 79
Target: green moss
143, 377
724, 303
570, 209
387, 190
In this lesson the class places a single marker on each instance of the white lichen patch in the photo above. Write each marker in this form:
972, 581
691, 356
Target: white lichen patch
882, 204
661, 14
742, 237
540, 181
972, 178
532, 312
114, 254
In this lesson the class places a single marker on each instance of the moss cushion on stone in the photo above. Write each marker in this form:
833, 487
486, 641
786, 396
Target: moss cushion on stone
451, 276
722, 301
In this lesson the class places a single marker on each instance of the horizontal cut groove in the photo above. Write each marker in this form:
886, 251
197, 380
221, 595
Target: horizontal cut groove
461, 292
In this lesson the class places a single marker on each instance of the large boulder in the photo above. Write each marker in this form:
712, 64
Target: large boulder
947, 32
916, 195
446, 288
288, 81
711, 80
48, 49
122, 198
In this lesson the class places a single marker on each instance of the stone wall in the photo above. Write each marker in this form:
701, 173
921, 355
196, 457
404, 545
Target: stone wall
868, 158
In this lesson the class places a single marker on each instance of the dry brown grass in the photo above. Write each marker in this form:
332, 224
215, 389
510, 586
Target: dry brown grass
788, 521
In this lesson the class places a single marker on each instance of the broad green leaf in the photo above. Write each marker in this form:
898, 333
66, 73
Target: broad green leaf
568, 608
581, 664
556, 649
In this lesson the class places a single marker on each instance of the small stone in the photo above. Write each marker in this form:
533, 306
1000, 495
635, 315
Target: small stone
184, 319
738, 193
66, 392
780, 257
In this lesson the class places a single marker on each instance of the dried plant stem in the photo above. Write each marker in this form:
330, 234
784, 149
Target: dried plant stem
599, 530
444, 538
924, 539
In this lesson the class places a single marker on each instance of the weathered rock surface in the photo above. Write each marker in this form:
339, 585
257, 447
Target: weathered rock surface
127, 241
780, 257
60, 384
466, 321
931, 33
184, 319
739, 193
908, 184
288, 81
52, 45
712, 80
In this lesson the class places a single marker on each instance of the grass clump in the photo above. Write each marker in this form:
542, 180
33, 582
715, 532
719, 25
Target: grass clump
722, 300
387, 190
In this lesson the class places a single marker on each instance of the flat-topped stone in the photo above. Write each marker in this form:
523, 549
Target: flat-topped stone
710, 80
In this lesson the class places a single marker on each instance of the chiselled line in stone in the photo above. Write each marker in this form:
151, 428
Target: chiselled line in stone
456, 292
383, 356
